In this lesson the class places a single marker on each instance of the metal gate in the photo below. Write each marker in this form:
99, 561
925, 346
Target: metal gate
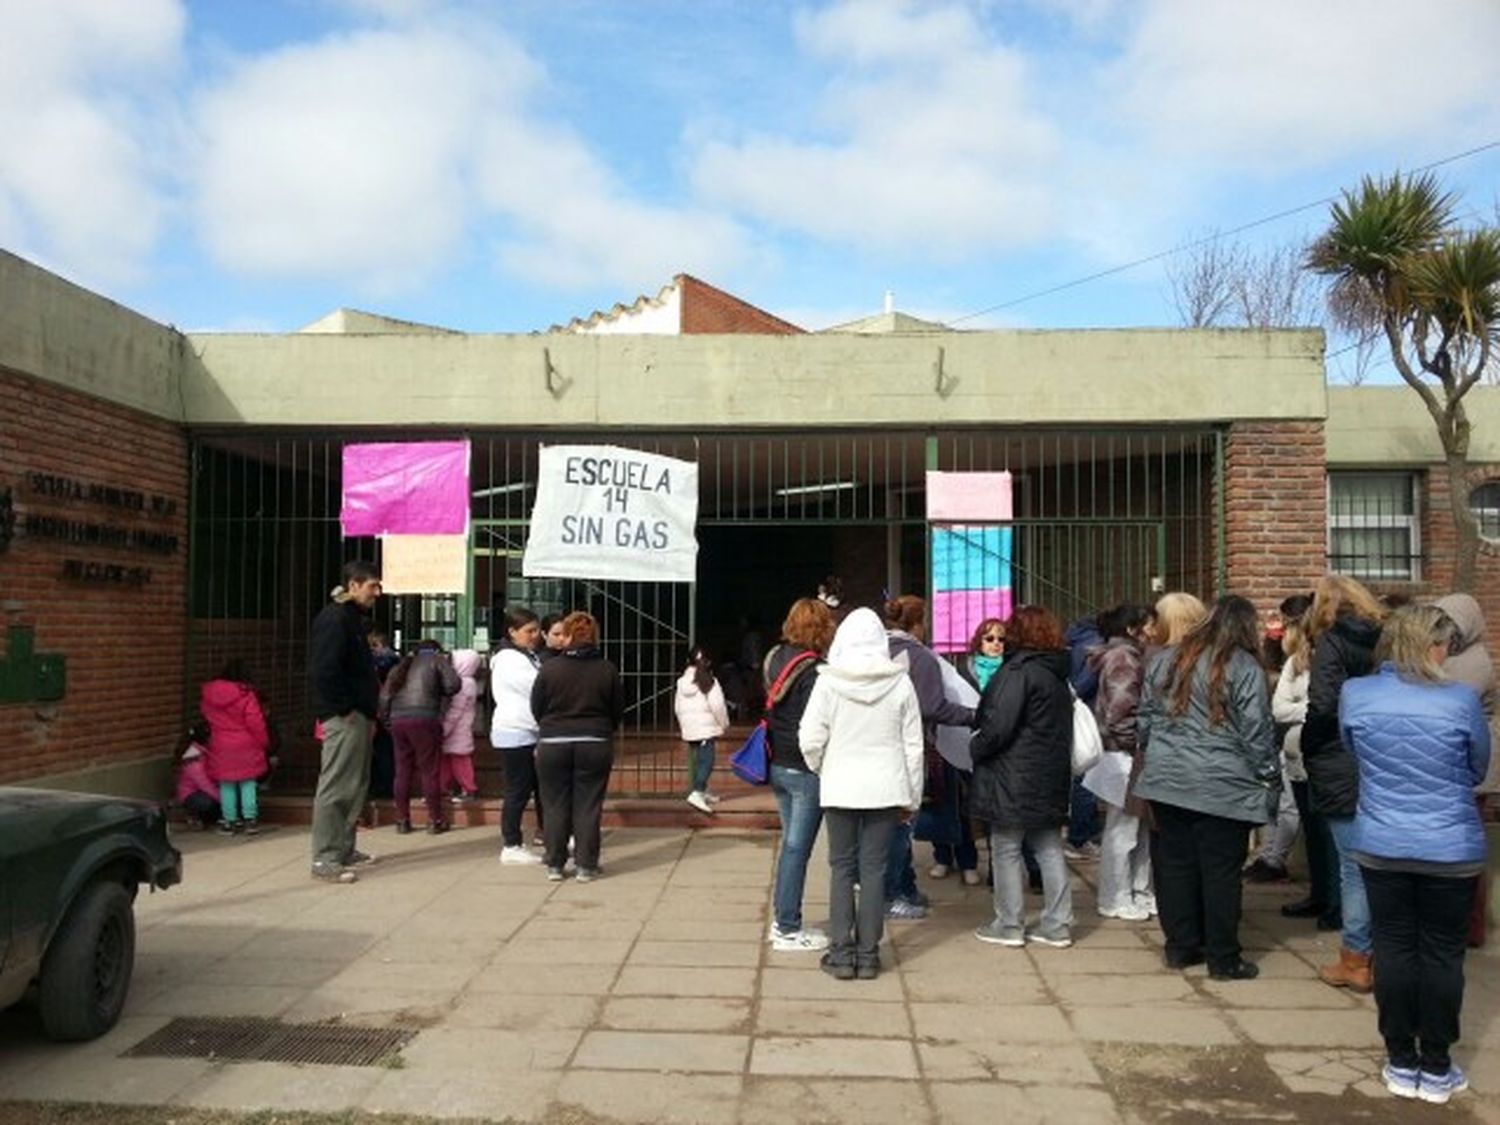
1101, 516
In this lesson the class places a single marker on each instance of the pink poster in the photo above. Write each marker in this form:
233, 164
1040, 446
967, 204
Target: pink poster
406, 488
976, 497
957, 613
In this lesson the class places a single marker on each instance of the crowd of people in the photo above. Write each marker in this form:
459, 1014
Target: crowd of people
1359, 724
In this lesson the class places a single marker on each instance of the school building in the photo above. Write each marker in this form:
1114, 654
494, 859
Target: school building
168, 500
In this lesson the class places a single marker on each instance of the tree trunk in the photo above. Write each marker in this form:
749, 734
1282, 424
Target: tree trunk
1465, 526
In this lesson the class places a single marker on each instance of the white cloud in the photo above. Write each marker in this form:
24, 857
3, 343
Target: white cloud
1274, 83
80, 166
373, 157
924, 139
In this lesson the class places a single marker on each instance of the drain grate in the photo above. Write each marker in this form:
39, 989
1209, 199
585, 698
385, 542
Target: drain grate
256, 1040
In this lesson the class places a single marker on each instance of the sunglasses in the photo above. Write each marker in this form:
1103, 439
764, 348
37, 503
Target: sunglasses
992, 637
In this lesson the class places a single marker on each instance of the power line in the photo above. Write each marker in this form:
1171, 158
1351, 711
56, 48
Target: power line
1112, 270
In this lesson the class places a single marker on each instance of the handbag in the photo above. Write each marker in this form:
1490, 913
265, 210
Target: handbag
1088, 744
752, 761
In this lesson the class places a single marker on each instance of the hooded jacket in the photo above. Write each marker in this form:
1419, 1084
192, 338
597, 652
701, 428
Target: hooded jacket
237, 736
1471, 663
1023, 749
430, 680
862, 730
458, 720
1230, 768
192, 776
1082, 636
1344, 652
512, 673
1421, 749
701, 714
1289, 710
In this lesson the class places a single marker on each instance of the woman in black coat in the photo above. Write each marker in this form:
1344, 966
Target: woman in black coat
1023, 777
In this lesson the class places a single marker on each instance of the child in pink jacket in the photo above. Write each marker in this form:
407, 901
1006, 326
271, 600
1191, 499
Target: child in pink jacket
457, 764
237, 742
196, 791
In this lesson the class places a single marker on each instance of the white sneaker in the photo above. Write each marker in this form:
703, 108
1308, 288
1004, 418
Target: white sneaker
519, 854
971, 878
713, 798
1131, 912
938, 871
799, 941
1147, 902
700, 802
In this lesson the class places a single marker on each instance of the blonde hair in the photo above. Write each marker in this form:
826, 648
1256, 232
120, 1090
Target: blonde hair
1177, 614
1407, 640
1295, 645
581, 629
1335, 594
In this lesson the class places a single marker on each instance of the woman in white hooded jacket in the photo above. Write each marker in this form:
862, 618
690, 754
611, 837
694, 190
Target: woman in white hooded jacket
703, 716
862, 735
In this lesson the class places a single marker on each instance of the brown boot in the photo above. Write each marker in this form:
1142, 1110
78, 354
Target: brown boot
1352, 971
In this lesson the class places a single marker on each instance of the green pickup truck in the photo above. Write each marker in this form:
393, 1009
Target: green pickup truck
70, 865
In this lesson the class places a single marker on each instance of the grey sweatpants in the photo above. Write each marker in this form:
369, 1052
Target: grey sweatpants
343, 783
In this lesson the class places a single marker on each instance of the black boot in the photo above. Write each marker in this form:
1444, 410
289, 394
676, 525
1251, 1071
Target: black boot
1302, 908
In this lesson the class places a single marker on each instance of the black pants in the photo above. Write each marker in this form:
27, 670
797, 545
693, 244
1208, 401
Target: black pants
573, 777
1420, 924
1196, 860
859, 844
202, 808
519, 765
1325, 887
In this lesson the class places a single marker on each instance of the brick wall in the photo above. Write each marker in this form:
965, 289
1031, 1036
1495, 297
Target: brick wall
707, 310
123, 642
1275, 509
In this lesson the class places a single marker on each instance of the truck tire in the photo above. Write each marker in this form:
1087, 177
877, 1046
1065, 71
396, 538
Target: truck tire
86, 971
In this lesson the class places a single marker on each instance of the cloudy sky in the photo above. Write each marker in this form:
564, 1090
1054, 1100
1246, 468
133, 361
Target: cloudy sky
503, 166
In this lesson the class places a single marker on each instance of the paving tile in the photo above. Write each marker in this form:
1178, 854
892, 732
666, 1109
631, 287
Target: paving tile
366, 1007
1093, 990
544, 980
238, 969
1048, 1064
1058, 962
216, 999
973, 988
523, 1013
250, 1086
1153, 1023
962, 1103
814, 1101
1017, 1023
143, 1081
635, 980
1308, 1028
375, 974
695, 1013
805, 984
841, 1016
469, 1094
688, 1099
1331, 1072
1278, 993
663, 1051
574, 951
713, 929
697, 954
489, 1049
834, 1057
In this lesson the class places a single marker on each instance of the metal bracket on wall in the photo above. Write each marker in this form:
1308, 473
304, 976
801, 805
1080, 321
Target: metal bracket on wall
944, 383
557, 382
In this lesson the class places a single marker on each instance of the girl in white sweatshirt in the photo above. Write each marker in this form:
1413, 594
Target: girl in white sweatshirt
701, 713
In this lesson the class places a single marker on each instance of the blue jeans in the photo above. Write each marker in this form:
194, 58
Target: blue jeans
900, 876
1357, 937
801, 814
1083, 816
700, 763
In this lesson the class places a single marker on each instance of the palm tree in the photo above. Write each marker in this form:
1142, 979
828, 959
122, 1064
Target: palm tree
1401, 265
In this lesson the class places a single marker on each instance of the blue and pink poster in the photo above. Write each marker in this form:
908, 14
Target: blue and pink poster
971, 554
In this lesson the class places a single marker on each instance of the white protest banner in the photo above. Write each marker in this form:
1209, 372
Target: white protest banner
606, 512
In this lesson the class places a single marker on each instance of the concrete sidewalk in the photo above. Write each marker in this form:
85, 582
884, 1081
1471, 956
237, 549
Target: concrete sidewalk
651, 995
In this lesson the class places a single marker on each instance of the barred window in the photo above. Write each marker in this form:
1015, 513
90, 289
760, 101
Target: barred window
1373, 529
1484, 502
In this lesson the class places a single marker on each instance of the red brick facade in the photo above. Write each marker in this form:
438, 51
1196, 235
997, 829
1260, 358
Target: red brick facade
78, 469
707, 310
1276, 509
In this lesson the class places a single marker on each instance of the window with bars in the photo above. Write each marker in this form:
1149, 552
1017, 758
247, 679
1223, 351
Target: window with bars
1373, 526
1484, 502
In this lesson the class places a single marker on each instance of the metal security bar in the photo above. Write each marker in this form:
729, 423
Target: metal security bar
1374, 526
1101, 515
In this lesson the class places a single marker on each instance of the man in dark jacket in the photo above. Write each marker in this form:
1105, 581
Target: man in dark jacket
345, 694
1082, 637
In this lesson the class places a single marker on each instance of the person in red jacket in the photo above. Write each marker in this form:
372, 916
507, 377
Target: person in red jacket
237, 742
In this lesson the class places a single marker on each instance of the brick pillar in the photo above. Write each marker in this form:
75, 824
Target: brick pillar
1275, 505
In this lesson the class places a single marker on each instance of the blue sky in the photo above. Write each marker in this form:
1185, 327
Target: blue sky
504, 166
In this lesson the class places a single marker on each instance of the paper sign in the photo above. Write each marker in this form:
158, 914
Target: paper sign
424, 564
606, 512
981, 497
957, 613
406, 488
971, 558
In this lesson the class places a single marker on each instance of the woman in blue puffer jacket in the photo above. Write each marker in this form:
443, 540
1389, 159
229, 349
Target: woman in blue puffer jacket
1422, 744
